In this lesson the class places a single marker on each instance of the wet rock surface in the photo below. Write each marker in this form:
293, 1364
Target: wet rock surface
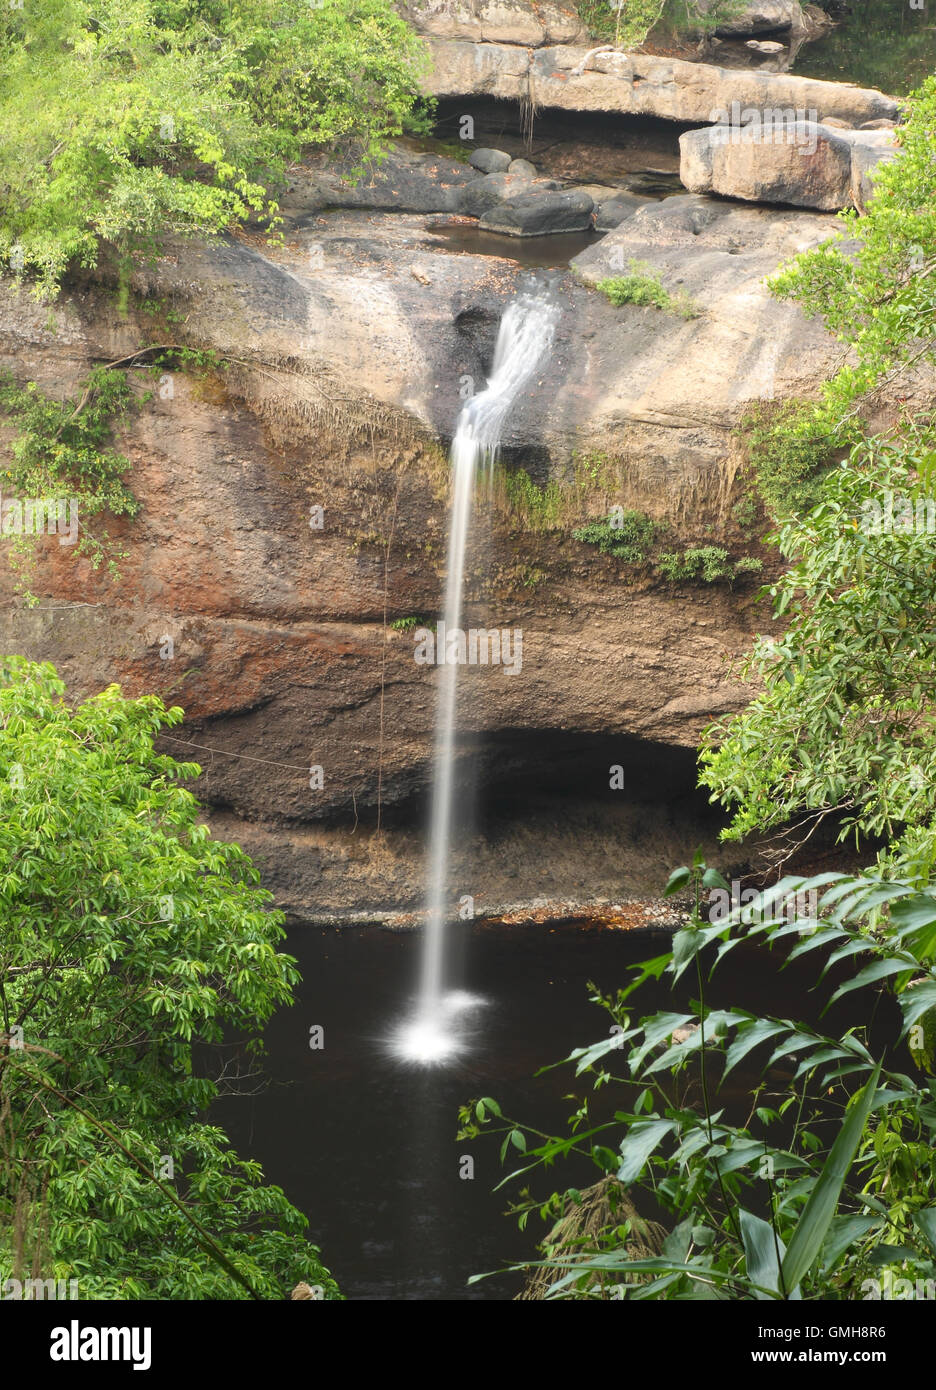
540, 214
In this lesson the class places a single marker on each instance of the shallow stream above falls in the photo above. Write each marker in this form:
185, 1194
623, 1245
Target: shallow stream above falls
366, 1145
533, 252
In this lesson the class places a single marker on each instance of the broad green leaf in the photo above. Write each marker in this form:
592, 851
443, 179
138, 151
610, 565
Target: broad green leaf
817, 1215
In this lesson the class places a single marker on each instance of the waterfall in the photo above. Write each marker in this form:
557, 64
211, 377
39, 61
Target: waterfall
523, 341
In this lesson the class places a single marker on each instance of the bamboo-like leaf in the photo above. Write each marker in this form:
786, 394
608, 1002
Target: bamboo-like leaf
763, 1251
638, 1144
925, 1222
843, 1232
817, 1215
748, 1038
878, 970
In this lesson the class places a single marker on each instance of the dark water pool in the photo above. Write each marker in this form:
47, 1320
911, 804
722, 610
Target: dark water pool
877, 43
366, 1146
533, 251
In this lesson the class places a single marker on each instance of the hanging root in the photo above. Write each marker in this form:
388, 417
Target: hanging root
582, 67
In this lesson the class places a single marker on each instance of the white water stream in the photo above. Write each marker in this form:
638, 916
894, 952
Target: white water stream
523, 341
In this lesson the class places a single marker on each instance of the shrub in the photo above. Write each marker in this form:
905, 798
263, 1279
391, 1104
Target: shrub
790, 446
626, 535
643, 287
704, 564
827, 1180
61, 451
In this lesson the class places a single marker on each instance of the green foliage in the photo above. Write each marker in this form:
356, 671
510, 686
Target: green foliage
61, 450
627, 535
789, 447
552, 505
744, 511
874, 288
705, 564
642, 287
873, 284
409, 624
537, 507
131, 938
125, 120
630, 25
843, 721
829, 1179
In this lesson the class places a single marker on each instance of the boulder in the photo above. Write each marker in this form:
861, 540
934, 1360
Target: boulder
478, 197
612, 211
489, 161
405, 182
759, 17
801, 164
865, 160
523, 168
540, 214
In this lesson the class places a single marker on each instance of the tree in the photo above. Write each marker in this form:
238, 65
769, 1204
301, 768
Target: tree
130, 938
874, 285
844, 723
122, 120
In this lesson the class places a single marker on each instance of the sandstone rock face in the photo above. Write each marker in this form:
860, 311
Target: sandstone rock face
637, 85
496, 21
762, 17
799, 164
282, 653
539, 24
407, 181
865, 160
540, 214
349, 349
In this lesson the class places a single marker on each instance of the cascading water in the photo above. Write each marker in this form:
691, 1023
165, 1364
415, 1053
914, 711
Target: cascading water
523, 341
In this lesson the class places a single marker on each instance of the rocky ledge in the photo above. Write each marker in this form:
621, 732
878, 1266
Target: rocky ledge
569, 79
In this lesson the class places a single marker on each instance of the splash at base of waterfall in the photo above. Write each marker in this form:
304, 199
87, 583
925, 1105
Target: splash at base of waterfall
437, 1034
